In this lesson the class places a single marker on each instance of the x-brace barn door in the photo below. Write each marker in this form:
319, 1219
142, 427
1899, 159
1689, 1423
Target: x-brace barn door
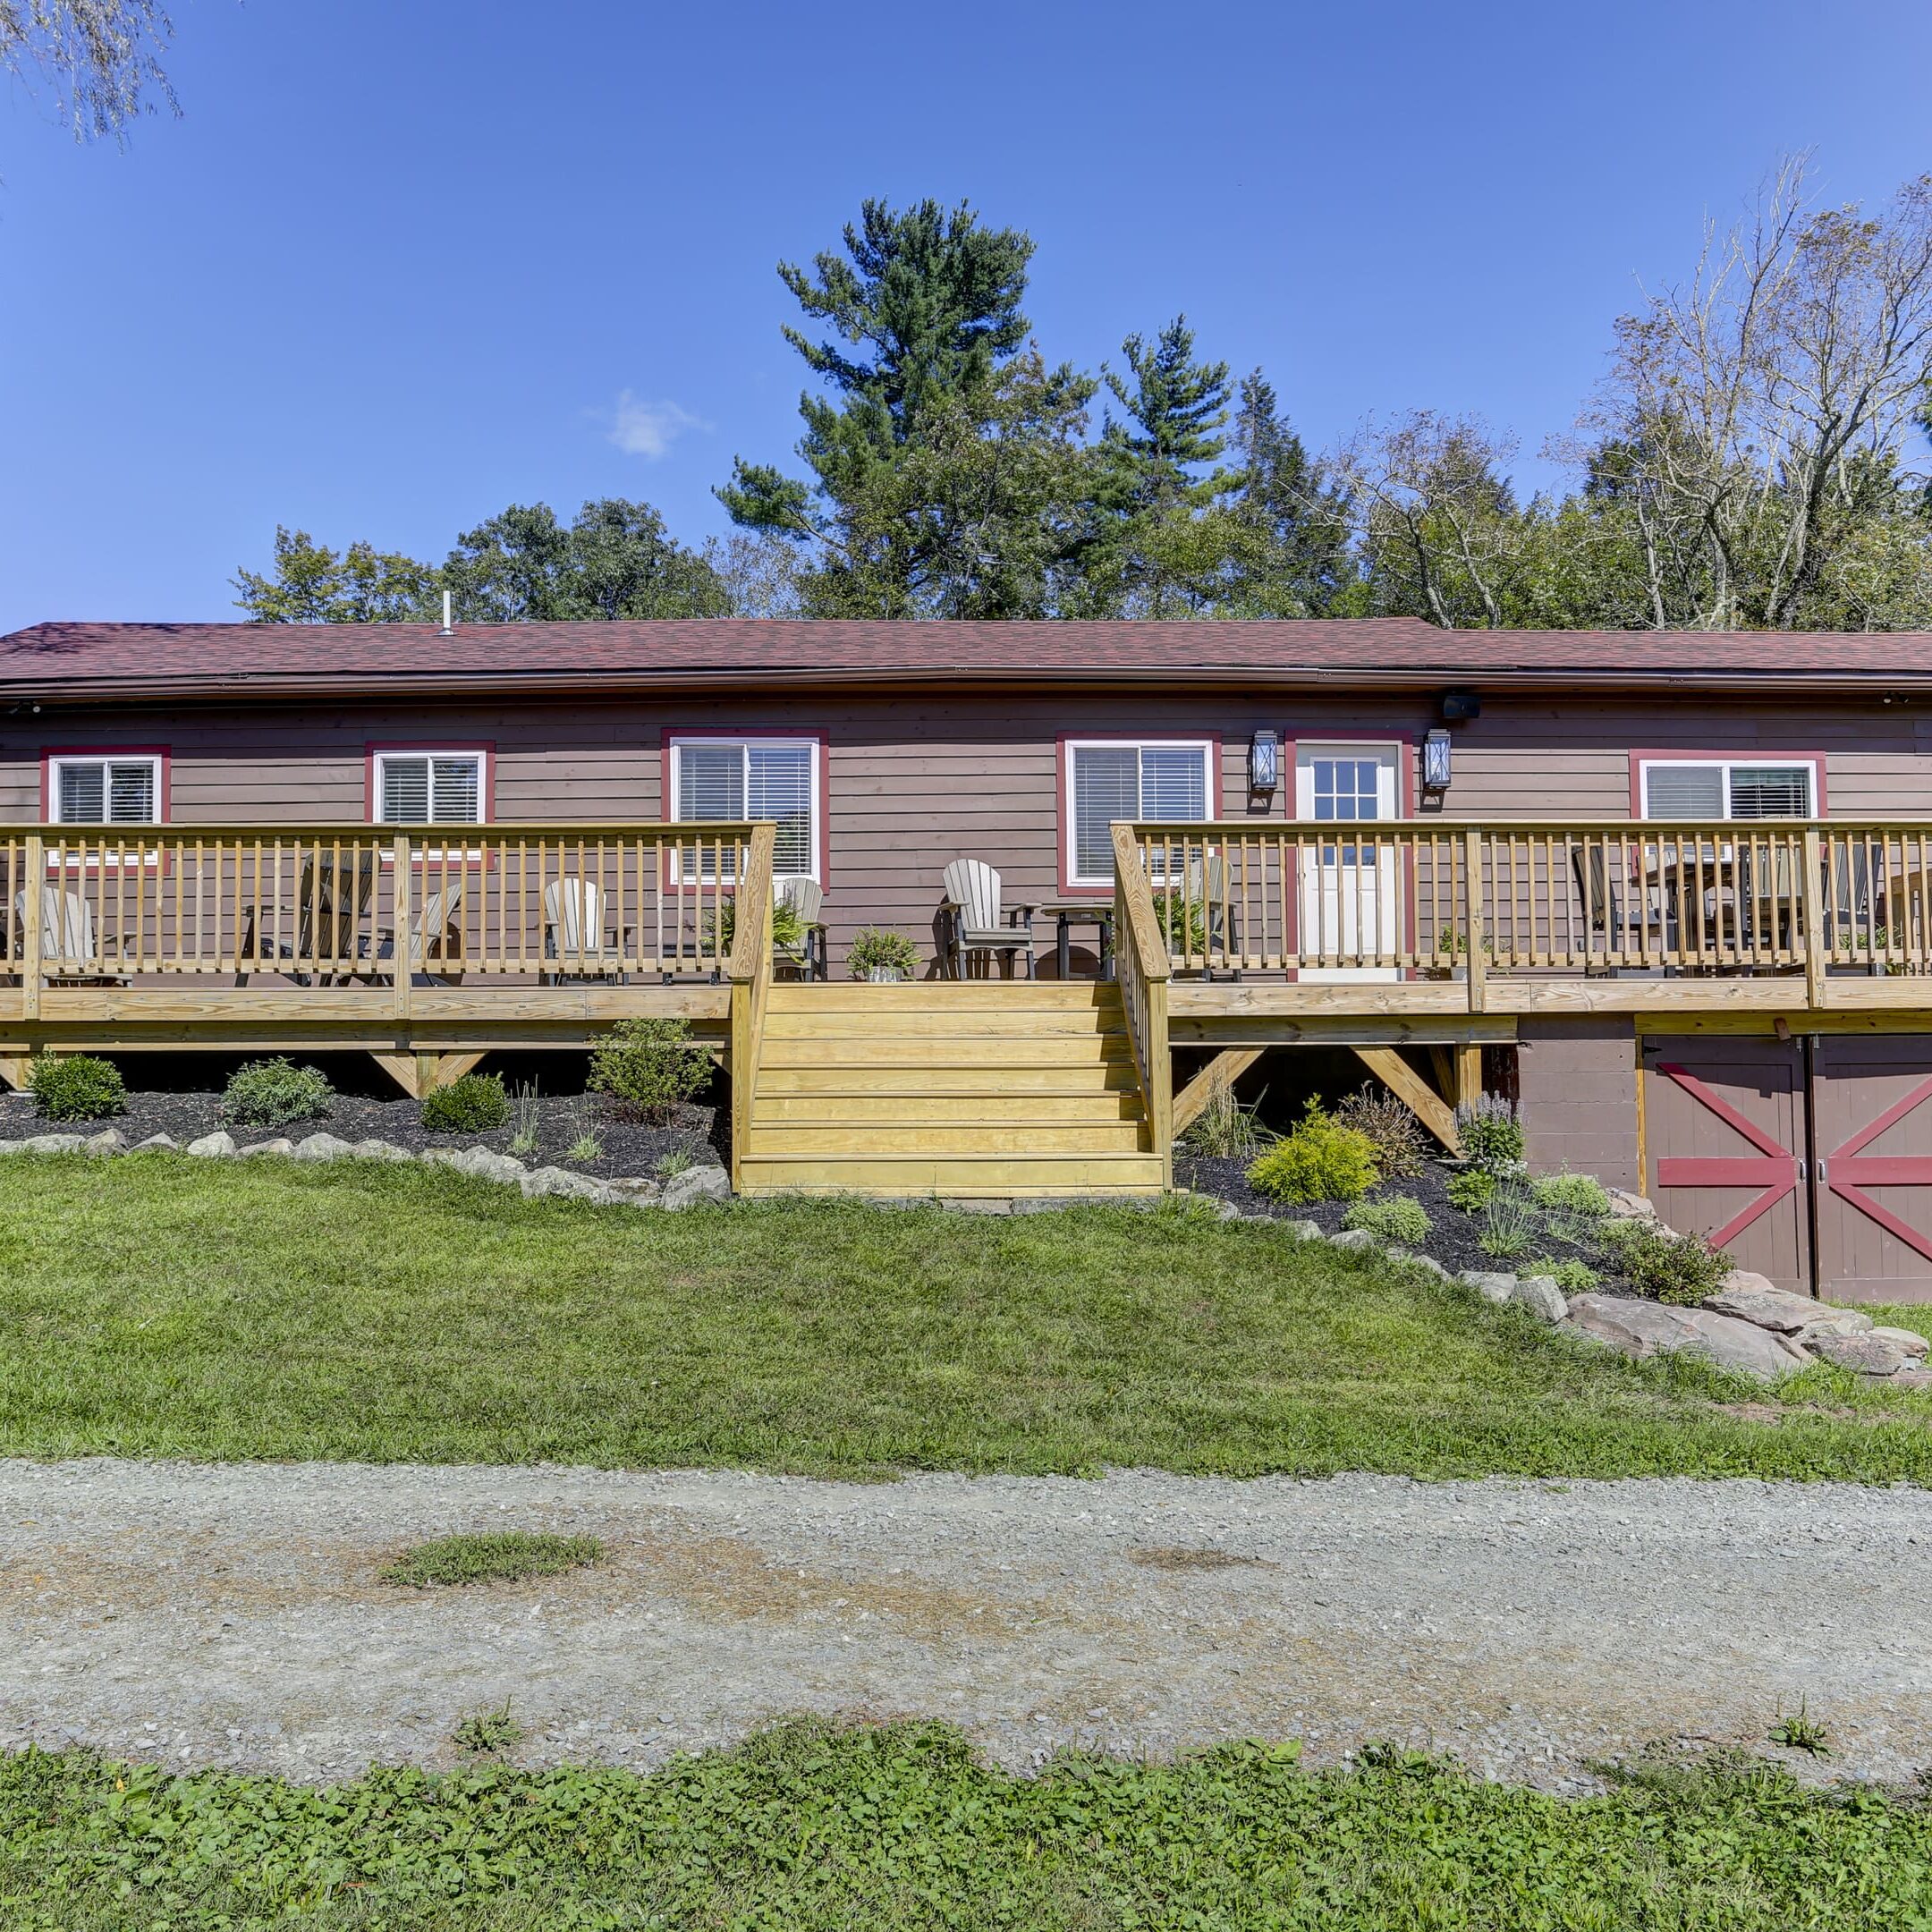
1872, 1123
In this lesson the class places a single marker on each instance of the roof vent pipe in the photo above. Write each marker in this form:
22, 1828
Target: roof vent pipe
446, 627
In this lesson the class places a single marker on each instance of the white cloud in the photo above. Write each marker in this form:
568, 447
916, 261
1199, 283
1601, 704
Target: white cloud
648, 429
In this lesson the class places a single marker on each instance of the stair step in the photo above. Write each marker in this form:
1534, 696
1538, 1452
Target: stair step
944, 996
907, 1022
1070, 1050
914, 1174
829, 1141
1018, 1083
922, 1107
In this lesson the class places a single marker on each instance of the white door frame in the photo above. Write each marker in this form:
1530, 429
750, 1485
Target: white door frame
1339, 898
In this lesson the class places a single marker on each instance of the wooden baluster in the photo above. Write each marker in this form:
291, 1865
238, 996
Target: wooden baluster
1472, 916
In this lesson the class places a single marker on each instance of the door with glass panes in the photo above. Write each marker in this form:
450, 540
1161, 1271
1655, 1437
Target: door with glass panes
1351, 898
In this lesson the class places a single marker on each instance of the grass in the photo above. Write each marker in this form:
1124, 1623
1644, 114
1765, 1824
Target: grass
167, 1307
502, 1556
488, 1730
824, 1830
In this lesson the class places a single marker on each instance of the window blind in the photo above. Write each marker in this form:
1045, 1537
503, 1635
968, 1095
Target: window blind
405, 790
778, 786
1173, 781
1107, 787
1684, 791
432, 791
1770, 791
107, 792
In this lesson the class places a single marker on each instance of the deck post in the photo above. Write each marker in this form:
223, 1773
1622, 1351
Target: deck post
1814, 917
32, 948
1472, 917
401, 894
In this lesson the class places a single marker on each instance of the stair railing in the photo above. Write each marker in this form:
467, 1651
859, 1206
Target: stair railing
1142, 967
749, 971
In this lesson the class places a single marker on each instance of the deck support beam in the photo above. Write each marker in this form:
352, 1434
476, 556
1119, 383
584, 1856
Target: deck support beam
1413, 1091
1227, 1066
15, 1070
419, 1074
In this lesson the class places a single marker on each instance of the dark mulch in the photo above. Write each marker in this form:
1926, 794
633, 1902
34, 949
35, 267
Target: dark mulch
628, 1148
1453, 1238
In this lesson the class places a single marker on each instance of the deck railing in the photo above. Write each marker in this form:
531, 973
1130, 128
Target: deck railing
370, 904
1452, 899
1142, 967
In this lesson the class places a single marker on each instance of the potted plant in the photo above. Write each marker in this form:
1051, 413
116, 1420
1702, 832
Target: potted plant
1451, 950
882, 955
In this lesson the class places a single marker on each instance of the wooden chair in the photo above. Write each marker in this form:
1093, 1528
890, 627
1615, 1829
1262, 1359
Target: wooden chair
975, 922
68, 948
807, 957
1607, 905
435, 932
329, 919
575, 937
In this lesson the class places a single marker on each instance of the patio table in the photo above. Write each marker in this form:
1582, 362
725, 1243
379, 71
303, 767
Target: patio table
1067, 913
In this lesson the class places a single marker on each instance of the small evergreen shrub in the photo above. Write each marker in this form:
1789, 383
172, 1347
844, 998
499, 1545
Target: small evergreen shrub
475, 1104
880, 949
1396, 1218
1572, 1276
76, 1087
270, 1093
1491, 1134
1400, 1144
1472, 1189
650, 1068
1578, 1195
1678, 1268
1320, 1160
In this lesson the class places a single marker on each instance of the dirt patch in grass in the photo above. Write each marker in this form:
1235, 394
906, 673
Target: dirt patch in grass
1195, 1559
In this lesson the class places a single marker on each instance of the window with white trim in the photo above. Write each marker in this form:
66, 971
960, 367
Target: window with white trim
430, 787
105, 791
1727, 788
1165, 779
740, 778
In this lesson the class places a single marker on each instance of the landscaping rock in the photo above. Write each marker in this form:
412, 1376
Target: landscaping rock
1299, 1230
11, 1147
480, 1163
637, 1192
697, 1184
280, 1149
1627, 1206
159, 1143
1864, 1352
1907, 1342
560, 1181
1752, 1298
1542, 1297
323, 1147
1645, 1328
53, 1143
1496, 1288
380, 1150
1831, 1322
110, 1140
990, 1206
1429, 1265
215, 1146
1355, 1241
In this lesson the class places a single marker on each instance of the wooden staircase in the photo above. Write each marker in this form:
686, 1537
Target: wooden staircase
954, 1088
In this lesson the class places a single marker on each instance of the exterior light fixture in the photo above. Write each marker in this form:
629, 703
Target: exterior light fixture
1435, 760
1264, 763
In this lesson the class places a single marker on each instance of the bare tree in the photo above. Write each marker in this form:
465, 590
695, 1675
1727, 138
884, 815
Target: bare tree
101, 58
1749, 408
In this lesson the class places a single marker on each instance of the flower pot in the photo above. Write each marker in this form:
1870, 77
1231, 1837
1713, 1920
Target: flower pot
884, 976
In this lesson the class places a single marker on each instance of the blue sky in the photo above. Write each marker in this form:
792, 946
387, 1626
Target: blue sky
405, 261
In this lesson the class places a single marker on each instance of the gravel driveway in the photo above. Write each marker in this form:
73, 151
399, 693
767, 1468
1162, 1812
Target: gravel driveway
203, 1614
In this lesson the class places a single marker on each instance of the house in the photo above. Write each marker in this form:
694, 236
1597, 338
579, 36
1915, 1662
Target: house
1676, 886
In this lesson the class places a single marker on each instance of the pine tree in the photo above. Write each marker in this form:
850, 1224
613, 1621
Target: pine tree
1295, 559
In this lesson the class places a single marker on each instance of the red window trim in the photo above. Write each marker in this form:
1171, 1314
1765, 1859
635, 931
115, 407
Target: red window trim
164, 788
1815, 759
1063, 743
374, 748
746, 734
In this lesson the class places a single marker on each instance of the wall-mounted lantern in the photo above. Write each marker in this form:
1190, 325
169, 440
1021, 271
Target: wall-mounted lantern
1264, 764
1435, 760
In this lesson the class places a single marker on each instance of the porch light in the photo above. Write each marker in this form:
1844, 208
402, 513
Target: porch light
1435, 760
1263, 762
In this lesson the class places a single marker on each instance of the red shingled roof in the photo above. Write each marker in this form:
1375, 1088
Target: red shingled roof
126, 659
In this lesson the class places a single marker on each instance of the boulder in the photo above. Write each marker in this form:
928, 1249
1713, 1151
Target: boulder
635, 1191
1864, 1352
109, 1141
53, 1143
479, 1163
280, 1149
1907, 1342
1490, 1287
1542, 1297
1354, 1241
1429, 1265
323, 1146
1647, 1329
1299, 1230
560, 1181
157, 1143
1749, 1297
380, 1150
697, 1184
1626, 1206
217, 1146
11, 1147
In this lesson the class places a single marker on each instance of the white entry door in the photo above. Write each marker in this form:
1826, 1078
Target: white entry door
1351, 896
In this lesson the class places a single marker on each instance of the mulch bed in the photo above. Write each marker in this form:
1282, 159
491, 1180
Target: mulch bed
1453, 1238
628, 1148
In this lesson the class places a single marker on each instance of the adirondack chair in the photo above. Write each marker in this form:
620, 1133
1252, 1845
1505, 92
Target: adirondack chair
331, 900
1607, 901
807, 956
575, 936
1207, 887
974, 919
434, 933
69, 949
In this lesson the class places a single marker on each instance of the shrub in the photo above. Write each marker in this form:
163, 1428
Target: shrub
1472, 1189
270, 1093
1572, 1276
1509, 1223
1678, 1268
1491, 1134
76, 1087
1396, 1218
880, 949
475, 1104
1320, 1160
1580, 1195
1400, 1144
495, 1557
648, 1068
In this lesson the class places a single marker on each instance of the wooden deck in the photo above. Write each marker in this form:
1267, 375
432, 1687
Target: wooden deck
428, 949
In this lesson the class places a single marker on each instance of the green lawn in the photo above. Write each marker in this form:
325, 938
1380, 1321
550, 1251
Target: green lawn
813, 1830
164, 1307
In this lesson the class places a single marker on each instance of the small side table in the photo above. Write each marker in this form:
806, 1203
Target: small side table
1067, 913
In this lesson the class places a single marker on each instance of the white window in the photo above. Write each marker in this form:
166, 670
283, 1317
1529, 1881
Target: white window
105, 791
740, 778
430, 787
1165, 780
1720, 788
